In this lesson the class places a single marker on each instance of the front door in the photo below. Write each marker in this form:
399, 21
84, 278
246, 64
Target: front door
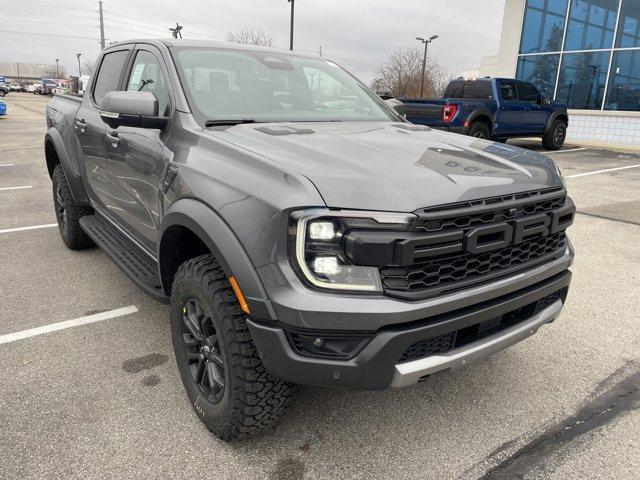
137, 157
91, 130
510, 116
535, 119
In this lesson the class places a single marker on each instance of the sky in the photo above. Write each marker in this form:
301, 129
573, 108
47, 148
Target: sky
358, 34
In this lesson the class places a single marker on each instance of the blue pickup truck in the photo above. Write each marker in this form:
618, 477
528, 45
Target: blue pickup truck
496, 108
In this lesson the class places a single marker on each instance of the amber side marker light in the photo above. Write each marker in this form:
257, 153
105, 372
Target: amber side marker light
238, 292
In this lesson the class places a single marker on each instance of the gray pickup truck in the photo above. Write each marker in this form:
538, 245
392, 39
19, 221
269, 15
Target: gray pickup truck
300, 230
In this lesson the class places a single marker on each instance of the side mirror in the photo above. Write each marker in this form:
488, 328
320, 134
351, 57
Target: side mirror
131, 109
397, 105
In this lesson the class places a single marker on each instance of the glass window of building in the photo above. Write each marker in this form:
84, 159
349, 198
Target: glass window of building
629, 25
543, 26
624, 86
582, 79
541, 71
592, 24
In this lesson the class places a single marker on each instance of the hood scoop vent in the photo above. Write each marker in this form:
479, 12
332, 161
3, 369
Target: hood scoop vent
285, 130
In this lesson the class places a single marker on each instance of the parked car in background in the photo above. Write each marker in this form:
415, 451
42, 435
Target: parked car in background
31, 88
4, 89
15, 87
47, 85
496, 108
3, 108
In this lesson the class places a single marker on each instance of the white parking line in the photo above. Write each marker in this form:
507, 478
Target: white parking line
603, 171
34, 227
6, 164
76, 322
15, 188
567, 150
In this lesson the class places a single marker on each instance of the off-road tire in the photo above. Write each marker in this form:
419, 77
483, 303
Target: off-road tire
252, 400
69, 213
479, 130
554, 140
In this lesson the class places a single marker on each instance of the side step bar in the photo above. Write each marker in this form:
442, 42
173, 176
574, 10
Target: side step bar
134, 262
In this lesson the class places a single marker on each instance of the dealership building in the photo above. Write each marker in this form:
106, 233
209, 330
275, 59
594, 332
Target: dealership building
585, 53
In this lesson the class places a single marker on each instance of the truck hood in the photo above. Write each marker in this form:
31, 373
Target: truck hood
394, 166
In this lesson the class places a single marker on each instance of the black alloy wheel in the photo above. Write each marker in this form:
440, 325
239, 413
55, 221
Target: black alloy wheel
61, 210
203, 346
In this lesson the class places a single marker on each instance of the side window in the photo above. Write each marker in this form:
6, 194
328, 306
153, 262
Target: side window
526, 93
508, 91
109, 74
146, 76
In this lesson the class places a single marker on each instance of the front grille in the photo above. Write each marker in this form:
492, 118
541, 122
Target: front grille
430, 274
447, 271
460, 338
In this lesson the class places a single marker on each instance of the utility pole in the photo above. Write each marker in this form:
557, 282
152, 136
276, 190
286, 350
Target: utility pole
424, 62
57, 69
292, 10
18, 65
79, 69
320, 50
102, 44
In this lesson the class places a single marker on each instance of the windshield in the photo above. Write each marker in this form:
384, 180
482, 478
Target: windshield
228, 84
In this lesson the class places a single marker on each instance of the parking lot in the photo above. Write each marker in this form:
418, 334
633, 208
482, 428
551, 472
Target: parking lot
103, 399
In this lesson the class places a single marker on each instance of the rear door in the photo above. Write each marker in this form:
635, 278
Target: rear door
511, 112
535, 118
91, 130
137, 157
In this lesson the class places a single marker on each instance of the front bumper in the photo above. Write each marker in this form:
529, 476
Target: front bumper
376, 365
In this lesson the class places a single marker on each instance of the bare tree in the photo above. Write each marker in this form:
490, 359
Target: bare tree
88, 66
401, 74
251, 36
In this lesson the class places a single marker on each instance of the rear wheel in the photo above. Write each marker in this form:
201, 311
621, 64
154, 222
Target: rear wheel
225, 380
554, 139
69, 213
479, 130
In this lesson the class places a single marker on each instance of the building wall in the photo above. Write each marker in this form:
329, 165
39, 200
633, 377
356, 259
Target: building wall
598, 125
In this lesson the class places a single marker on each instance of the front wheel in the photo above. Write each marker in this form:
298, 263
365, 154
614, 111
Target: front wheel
479, 130
225, 380
554, 139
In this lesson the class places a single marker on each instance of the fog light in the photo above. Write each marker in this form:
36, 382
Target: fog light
326, 266
318, 342
322, 231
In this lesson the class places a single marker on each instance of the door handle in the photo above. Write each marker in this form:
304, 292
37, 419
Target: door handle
113, 139
81, 126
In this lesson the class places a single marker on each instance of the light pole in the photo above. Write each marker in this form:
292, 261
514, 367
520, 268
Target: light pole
57, 69
424, 62
79, 69
292, 2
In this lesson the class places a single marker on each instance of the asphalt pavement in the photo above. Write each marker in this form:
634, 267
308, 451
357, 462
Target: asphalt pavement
103, 399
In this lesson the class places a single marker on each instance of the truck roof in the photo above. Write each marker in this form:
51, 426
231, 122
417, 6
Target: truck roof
173, 42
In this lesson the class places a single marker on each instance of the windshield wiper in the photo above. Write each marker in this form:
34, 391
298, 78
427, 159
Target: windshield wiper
238, 121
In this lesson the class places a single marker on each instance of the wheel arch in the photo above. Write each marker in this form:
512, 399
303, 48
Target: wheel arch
483, 115
558, 115
55, 153
191, 228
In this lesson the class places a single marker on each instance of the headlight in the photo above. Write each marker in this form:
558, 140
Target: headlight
559, 172
316, 239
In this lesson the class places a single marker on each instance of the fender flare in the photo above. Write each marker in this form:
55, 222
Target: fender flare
220, 239
481, 112
53, 137
553, 117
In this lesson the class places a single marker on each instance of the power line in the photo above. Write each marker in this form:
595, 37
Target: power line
56, 5
158, 25
47, 22
46, 14
46, 34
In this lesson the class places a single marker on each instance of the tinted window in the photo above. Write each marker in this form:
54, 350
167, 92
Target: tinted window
543, 26
582, 79
591, 24
526, 93
454, 90
109, 74
508, 91
629, 25
146, 76
541, 71
478, 89
624, 87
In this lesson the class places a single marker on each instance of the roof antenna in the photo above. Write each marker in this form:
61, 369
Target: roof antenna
177, 31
